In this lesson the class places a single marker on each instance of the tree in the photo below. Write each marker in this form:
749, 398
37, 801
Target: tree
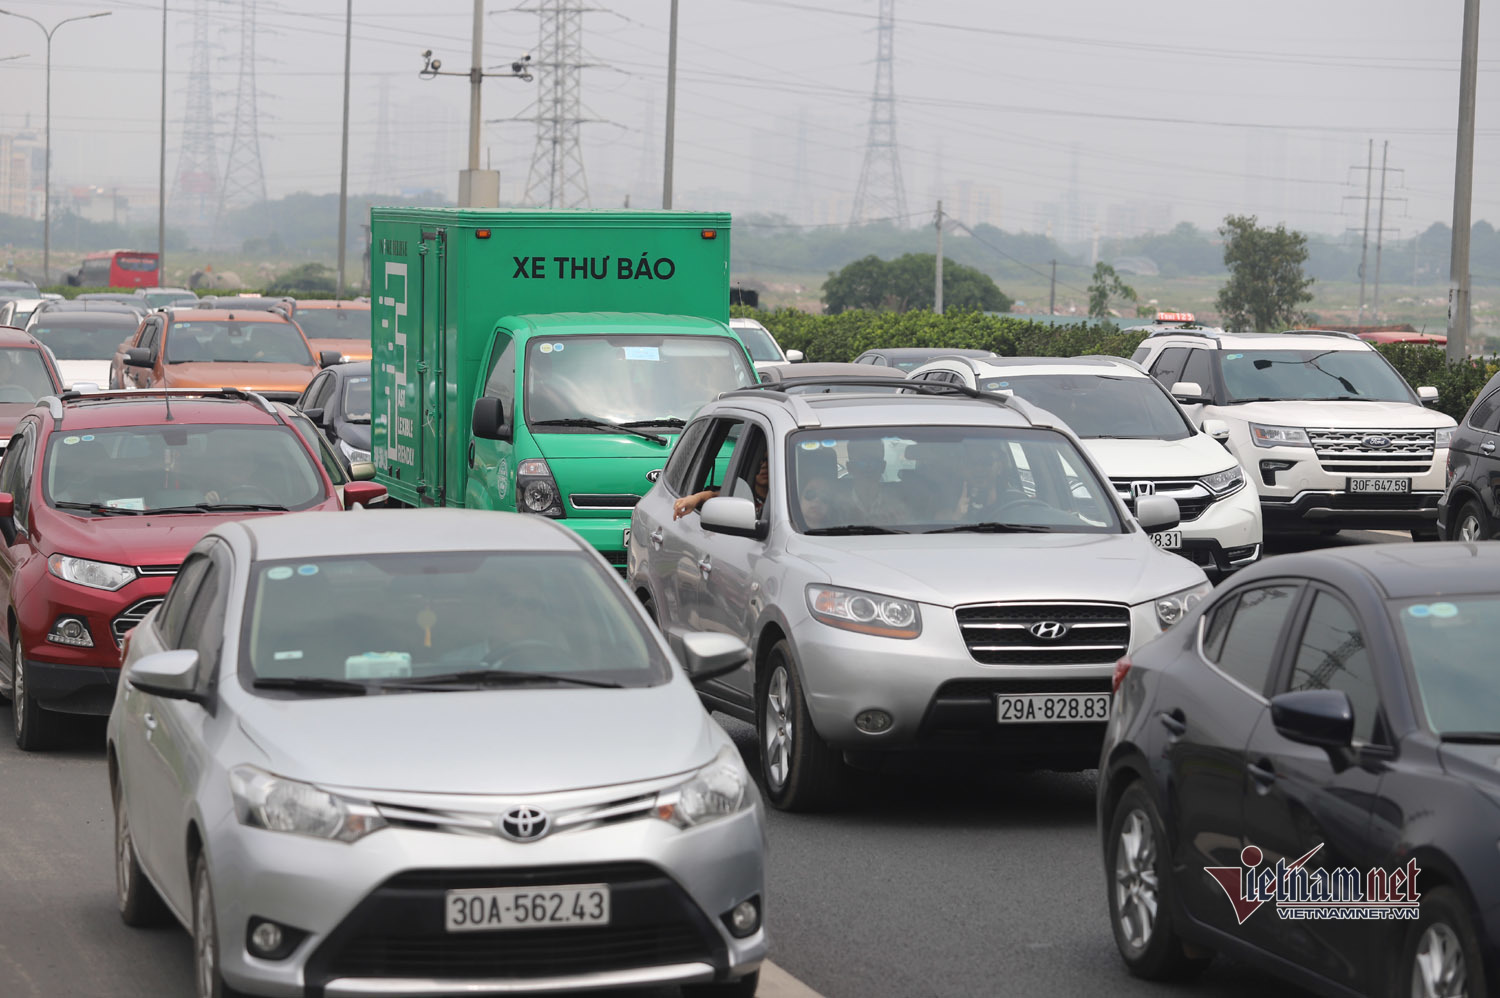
1266, 287
1105, 287
907, 283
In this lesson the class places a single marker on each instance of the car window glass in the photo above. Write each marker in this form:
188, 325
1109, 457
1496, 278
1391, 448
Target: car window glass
1198, 370
10, 464
18, 483
321, 391
1168, 367
203, 629
1332, 656
749, 455
319, 443
1216, 627
170, 618
1249, 644
501, 383
1140, 355
713, 460
680, 464
1482, 416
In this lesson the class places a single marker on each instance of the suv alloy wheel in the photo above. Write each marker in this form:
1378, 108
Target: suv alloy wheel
800, 771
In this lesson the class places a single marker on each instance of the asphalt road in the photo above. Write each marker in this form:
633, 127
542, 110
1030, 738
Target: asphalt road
943, 883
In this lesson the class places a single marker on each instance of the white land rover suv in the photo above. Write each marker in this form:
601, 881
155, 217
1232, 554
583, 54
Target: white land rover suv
1142, 440
1334, 436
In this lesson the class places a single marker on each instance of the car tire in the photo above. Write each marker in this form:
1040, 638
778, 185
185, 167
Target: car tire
1472, 523
1420, 534
649, 605
35, 727
140, 905
1140, 893
798, 769
208, 982
742, 988
1442, 955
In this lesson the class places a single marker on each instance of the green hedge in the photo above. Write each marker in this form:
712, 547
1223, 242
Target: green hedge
845, 336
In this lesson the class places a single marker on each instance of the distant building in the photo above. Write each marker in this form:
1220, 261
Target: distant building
21, 171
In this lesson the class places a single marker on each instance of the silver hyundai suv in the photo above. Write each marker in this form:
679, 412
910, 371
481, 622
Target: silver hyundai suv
938, 569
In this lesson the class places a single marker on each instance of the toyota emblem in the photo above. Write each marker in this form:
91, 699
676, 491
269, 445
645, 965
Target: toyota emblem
1048, 630
525, 824
1377, 442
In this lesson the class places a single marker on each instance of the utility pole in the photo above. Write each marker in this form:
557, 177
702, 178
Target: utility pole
1385, 149
161, 177
937, 290
1052, 292
666, 175
1463, 189
344, 154
1364, 249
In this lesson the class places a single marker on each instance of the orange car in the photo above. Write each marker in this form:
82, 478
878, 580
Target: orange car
219, 348
335, 325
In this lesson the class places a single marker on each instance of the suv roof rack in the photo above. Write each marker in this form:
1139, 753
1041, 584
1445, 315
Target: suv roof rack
145, 394
915, 387
1320, 332
1200, 331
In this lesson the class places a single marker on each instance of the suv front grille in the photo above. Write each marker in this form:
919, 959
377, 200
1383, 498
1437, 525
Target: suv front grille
1354, 451
1001, 633
1193, 497
131, 616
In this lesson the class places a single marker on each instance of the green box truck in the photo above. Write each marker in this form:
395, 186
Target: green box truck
544, 361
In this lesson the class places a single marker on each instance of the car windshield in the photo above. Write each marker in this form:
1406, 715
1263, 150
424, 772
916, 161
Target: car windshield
157, 299
79, 336
414, 617
1100, 405
24, 376
920, 478
335, 323
172, 466
357, 400
223, 342
634, 378
1450, 644
1311, 375
759, 343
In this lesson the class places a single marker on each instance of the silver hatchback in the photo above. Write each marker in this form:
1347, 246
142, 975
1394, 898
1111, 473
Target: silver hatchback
943, 570
429, 752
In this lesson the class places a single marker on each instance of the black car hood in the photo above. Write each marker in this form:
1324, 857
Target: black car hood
1476, 764
356, 435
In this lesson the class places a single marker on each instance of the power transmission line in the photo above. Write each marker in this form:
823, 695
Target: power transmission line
880, 185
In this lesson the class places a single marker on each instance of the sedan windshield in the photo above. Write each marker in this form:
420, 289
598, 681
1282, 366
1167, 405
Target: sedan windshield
630, 379
445, 620
80, 336
1311, 375
759, 342
1100, 405
1451, 646
184, 468
237, 343
335, 323
24, 376
944, 478
357, 400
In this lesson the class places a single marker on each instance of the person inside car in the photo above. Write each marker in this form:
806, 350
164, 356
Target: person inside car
756, 490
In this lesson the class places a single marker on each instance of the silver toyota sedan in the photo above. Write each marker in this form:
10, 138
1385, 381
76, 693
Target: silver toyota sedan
430, 752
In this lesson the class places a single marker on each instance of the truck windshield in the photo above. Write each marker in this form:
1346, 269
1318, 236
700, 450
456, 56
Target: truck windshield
629, 378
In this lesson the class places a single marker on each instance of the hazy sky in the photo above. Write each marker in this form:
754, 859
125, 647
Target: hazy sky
1126, 114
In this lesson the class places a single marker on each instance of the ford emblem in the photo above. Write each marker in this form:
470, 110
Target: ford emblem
1377, 442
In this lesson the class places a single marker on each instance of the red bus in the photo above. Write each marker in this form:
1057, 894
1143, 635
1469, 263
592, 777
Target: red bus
117, 269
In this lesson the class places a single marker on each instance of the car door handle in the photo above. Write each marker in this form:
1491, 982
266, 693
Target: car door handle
705, 565
1174, 722
1488, 446
656, 536
1262, 772
150, 721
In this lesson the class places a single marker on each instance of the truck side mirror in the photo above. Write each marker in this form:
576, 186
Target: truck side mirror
489, 419
138, 357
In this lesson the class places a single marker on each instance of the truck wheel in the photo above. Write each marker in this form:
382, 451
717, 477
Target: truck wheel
800, 771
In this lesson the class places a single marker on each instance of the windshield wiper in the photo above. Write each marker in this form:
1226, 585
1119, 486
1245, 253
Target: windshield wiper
600, 424
310, 683
1471, 737
992, 527
853, 528
486, 677
213, 507
99, 508
664, 421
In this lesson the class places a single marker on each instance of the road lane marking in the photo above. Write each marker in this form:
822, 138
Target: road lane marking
777, 983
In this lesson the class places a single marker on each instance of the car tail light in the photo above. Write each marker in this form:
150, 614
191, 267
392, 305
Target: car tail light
1122, 667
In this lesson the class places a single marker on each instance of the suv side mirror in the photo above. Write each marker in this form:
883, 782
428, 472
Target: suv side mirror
1153, 513
171, 674
138, 357
1324, 718
1428, 395
328, 358
794, 356
489, 419
316, 415
1189, 393
363, 494
708, 654
731, 515
1218, 429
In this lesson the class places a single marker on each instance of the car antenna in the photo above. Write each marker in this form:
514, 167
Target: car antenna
167, 401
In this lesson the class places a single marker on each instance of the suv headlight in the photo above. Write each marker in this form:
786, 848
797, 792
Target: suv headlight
281, 805
866, 613
1443, 437
94, 574
1225, 482
719, 789
1171, 609
1278, 436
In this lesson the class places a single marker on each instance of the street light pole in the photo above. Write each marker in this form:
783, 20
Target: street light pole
344, 156
1463, 188
666, 179
47, 141
161, 177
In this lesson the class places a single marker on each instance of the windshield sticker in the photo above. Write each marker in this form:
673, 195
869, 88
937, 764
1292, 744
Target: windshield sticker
70, 440
810, 445
1420, 610
1444, 610
830, 443
86, 437
642, 353
557, 347
545, 348
1234, 356
282, 656
307, 569
136, 503
377, 665
280, 572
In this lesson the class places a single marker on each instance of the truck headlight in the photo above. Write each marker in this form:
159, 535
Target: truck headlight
94, 574
866, 613
536, 489
1278, 436
276, 804
1170, 609
1225, 482
719, 789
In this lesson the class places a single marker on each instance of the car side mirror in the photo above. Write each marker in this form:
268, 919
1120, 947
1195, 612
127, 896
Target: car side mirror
1428, 395
1188, 393
363, 494
1155, 513
316, 415
708, 654
734, 516
794, 356
328, 358
138, 357
171, 674
1218, 429
489, 419
1324, 718
362, 471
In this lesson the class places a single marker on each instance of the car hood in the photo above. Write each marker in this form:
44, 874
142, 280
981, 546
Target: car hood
502, 741
355, 434
955, 569
604, 463
1192, 457
1476, 764
355, 350
72, 371
133, 540
253, 377
1372, 415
